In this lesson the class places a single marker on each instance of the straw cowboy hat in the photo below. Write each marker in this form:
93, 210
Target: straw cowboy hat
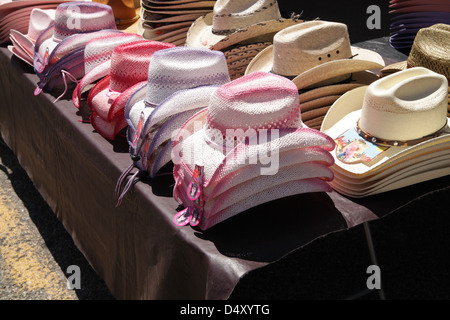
128, 67
429, 50
230, 181
390, 126
233, 22
180, 81
124, 11
313, 52
19, 19
170, 21
61, 46
317, 56
97, 60
23, 44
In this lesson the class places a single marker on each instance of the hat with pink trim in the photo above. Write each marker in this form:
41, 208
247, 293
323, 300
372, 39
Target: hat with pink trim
249, 146
107, 99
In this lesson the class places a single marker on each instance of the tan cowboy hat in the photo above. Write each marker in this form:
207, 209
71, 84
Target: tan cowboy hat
394, 125
313, 52
234, 22
430, 49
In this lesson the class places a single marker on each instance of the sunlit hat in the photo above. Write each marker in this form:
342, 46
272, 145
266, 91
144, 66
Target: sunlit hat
97, 60
128, 67
314, 53
39, 20
397, 120
233, 22
63, 42
246, 120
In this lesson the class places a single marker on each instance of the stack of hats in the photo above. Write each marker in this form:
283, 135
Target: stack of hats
125, 13
128, 67
180, 82
240, 29
97, 61
59, 49
409, 16
169, 21
430, 50
318, 57
22, 44
246, 148
391, 134
15, 14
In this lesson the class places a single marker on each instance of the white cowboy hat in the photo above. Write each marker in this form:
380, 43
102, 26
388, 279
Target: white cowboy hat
396, 120
233, 22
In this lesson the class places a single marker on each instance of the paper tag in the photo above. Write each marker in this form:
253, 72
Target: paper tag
137, 133
352, 148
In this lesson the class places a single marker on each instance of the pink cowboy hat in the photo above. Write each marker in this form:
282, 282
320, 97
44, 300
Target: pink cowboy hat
212, 146
129, 66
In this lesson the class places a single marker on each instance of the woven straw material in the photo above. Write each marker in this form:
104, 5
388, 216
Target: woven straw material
291, 157
251, 102
408, 91
129, 66
100, 49
270, 193
182, 68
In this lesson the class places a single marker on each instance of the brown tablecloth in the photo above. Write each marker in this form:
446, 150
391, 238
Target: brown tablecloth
136, 248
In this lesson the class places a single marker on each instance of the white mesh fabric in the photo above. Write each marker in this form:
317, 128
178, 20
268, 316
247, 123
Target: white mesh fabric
182, 68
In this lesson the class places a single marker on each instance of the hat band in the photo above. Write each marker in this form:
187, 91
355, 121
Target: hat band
396, 143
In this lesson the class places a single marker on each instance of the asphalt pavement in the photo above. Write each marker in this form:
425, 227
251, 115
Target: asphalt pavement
38, 258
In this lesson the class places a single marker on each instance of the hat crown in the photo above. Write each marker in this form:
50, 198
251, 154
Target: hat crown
100, 49
82, 17
303, 46
256, 101
130, 61
430, 49
407, 105
229, 15
181, 68
39, 21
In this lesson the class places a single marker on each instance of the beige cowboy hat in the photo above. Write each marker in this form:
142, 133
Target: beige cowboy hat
430, 49
393, 126
233, 22
314, 53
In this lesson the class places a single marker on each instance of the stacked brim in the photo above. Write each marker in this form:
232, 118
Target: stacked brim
169, 21
391, 169
16, 15
409, 16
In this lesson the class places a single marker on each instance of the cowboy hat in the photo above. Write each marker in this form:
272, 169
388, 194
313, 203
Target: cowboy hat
61, 46
233, 22
396, 120
39, 20
176, 75
98, 52
299, 49
128, 66
260, 103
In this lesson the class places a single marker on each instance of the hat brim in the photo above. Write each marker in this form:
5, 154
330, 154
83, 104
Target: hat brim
344, 114
21, 54
200, 33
